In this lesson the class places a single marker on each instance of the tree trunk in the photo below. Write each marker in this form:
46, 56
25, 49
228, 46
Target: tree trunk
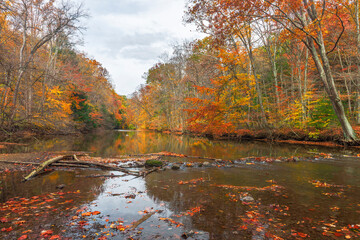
21, 66
323, 67
357, 95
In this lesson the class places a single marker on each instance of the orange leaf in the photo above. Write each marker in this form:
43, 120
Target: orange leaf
46, 232
86, 214
7, 229
4, 220
23, 237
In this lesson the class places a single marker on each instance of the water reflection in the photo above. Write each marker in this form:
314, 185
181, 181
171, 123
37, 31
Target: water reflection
31, 207
112, 143
299, 205
214, 203
247, 210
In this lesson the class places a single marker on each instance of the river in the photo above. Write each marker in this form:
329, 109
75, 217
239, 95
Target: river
317, 197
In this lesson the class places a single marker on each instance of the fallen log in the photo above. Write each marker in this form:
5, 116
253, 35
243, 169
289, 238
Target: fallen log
141, 220
76, 159
99, 176
13, 144
66, 163
103, 166
37, 164
175, 155
42, 166
150, 171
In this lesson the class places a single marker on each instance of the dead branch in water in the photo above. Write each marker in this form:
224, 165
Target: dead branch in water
42, 166
141, 220
170, 154
66, 163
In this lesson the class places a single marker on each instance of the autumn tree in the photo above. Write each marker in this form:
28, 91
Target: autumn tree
301, 19
37, 23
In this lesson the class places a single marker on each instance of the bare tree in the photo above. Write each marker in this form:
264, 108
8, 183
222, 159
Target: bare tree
39, 21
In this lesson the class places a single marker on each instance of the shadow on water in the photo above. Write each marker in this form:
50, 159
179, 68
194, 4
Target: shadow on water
318, 199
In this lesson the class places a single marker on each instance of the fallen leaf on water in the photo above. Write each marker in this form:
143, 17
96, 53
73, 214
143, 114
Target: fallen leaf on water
4, 220
46, 232
22, 237
19, 222
86, 214
7, 229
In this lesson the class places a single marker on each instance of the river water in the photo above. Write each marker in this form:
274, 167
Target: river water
317, 197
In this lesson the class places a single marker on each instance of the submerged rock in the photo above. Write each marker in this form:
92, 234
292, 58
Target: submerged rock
61, 186
153, 163
206, 164
247, 199
175, 167
186, 235
131, 196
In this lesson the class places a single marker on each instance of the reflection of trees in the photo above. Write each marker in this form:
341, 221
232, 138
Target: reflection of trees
40, 204
13, 187
219, 216
112, 143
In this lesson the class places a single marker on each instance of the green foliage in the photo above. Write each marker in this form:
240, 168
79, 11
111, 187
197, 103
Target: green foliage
82, 110
322, 115
153, 163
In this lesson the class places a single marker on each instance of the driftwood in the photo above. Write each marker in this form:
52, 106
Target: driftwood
13, 144
174, 155
42, 166
37, 164
79, 164
76, 159
100, 176
67, 163
150, 171
103, 166
141, 220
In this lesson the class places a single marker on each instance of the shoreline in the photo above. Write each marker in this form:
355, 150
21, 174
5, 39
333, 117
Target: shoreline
326, 138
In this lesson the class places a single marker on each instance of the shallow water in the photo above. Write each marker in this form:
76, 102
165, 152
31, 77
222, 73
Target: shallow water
316, 199
112, 143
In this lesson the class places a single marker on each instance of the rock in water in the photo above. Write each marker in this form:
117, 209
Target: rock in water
175, 167
153, 163
247, 199
61, 186
206, 164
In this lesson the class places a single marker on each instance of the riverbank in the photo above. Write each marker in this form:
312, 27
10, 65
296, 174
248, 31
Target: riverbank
327, 137
54, 140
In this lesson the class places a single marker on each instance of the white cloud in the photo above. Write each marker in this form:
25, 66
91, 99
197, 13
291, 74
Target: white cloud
127, 36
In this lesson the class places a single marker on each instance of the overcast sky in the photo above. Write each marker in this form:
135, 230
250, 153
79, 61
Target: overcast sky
128, 36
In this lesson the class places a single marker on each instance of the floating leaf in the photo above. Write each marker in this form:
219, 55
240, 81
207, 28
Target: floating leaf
22, 237
7, 229
46, 232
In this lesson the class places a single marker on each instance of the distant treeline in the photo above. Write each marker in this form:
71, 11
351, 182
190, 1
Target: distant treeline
286, 65
45, 83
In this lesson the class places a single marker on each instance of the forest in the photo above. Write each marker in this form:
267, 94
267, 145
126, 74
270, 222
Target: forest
46, 85
251, 132
268, 69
